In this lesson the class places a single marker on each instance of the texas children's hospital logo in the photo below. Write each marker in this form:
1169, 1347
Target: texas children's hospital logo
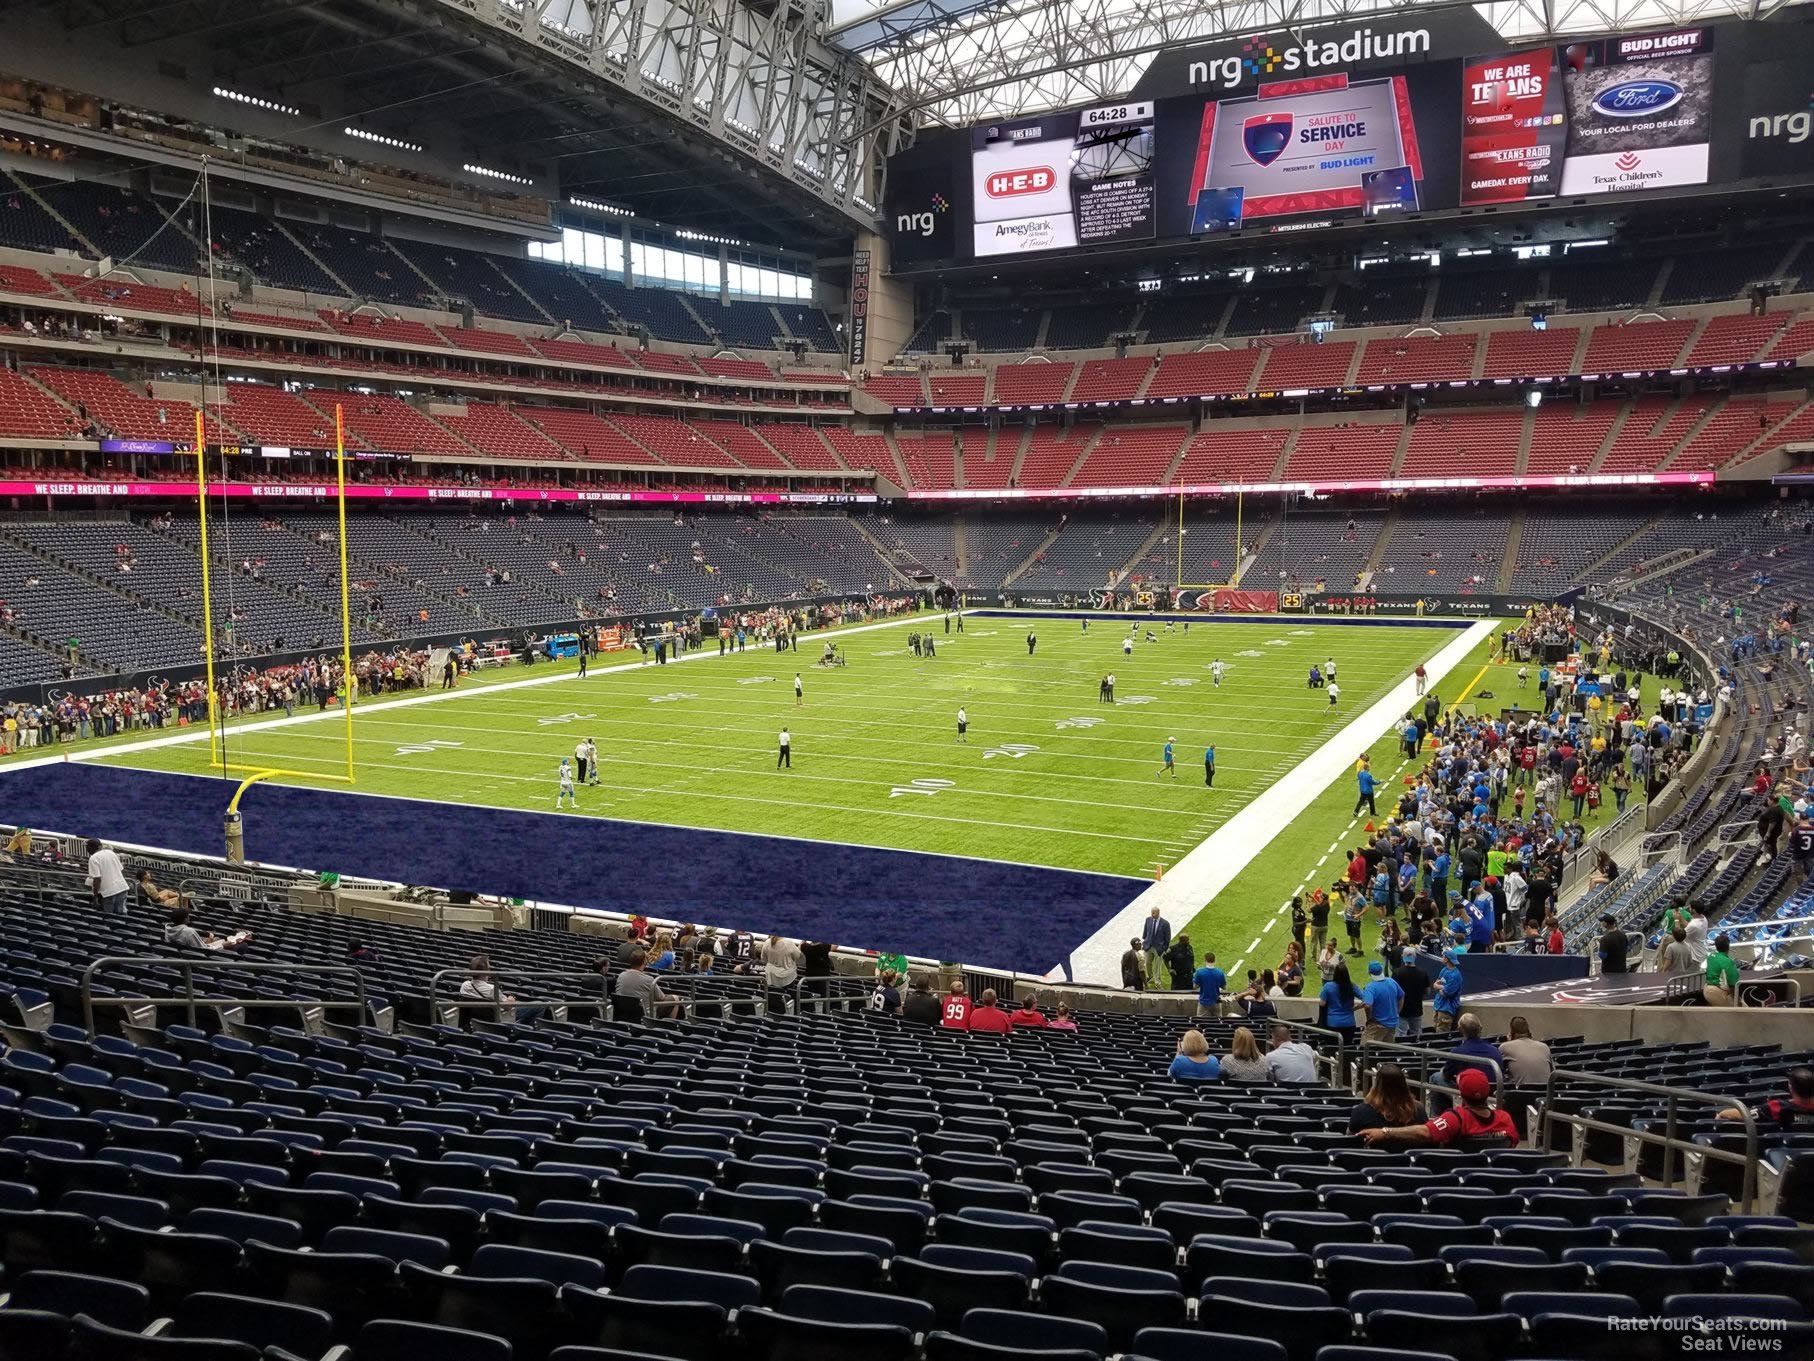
1263, 57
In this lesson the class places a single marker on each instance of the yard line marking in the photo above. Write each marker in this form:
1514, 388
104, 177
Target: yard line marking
1254, 946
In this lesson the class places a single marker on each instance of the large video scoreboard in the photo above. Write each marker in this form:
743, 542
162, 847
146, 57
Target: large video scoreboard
1350, 123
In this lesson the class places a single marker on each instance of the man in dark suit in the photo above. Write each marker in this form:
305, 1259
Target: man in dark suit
1156, 934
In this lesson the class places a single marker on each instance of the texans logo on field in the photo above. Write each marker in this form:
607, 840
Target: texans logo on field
1265, 136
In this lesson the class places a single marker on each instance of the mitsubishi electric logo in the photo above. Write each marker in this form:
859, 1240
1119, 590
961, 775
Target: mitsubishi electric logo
1263, 58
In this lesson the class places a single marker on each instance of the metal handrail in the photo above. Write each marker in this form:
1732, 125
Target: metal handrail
683, 984
601, 998
1428, 1055
1672, 1097
188, 963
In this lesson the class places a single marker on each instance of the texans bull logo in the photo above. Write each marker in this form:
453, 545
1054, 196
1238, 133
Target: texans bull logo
1265, 136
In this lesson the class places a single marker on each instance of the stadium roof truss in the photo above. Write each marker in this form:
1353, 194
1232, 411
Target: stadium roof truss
757, 77
733, 115
970, 61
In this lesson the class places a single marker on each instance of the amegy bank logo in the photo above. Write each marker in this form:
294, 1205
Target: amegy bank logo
1793, 128
1035, 179
1262, 57
924, 222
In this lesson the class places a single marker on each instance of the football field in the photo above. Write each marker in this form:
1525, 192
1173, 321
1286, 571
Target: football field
1048, 774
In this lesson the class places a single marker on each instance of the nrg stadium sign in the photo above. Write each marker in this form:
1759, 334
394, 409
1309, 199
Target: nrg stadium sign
1264, 58
1226, 65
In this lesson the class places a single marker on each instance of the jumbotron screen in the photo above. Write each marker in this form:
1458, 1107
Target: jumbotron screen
1306, 146
1299, 132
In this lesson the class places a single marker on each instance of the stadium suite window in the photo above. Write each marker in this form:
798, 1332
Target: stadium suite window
667, 267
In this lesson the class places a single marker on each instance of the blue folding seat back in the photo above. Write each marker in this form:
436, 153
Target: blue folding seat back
259, 1323
433, 1253
834, 1305
722, 1288
118, 1304
92, 1341
1188, 1344
954, 1290
398, 1340
1035, 1332
803, 1339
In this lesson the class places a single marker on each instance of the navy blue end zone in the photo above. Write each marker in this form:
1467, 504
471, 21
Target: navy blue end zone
988, 912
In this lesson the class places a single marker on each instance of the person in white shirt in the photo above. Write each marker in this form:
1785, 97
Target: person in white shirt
1335, 693
963, 724
799, 689
1696, 932
1517, 889
565, 795
784, 754
1290, 1060
480, 987
582, 760
1215, 672
106, 879
1329, 669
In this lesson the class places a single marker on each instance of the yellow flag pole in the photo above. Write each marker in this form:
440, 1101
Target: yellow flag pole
201, 506
346, 617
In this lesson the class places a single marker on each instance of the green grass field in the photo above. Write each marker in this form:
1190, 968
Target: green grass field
1049, 776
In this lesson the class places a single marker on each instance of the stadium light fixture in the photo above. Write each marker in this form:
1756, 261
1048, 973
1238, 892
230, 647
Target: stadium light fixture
379, 139
487, 172
256, 102
1533, 397
598, 207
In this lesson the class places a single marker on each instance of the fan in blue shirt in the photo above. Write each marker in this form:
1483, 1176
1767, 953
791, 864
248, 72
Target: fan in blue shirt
1382, 996
1210, 982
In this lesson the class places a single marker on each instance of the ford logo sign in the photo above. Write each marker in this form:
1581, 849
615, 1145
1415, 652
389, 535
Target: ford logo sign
1637, 98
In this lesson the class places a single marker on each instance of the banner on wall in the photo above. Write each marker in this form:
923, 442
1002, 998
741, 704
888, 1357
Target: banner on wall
859, 307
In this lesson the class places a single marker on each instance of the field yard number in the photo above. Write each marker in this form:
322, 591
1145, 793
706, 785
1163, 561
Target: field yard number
1250, 652
755, 680
1303, 633
563, 718
670, 697
1138, 699
1064, 723
926, 787
1014, 749
422, 748
1180, 680
1278, 642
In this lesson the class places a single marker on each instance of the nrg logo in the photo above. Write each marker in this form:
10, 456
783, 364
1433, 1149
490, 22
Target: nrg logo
925, 222
1795, 128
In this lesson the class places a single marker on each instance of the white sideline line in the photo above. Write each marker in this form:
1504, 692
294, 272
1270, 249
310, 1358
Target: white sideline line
1213, 865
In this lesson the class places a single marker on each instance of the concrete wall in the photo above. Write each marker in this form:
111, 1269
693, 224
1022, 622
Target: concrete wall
890, 304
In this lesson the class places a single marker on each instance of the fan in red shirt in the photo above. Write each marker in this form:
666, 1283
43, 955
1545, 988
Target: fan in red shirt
956, 1013
1474, 1118
1028, 1015
988, 1018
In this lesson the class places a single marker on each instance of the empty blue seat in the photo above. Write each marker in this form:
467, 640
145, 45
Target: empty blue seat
786, 1336
397, 1340
1121, 1299
1182, 1344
